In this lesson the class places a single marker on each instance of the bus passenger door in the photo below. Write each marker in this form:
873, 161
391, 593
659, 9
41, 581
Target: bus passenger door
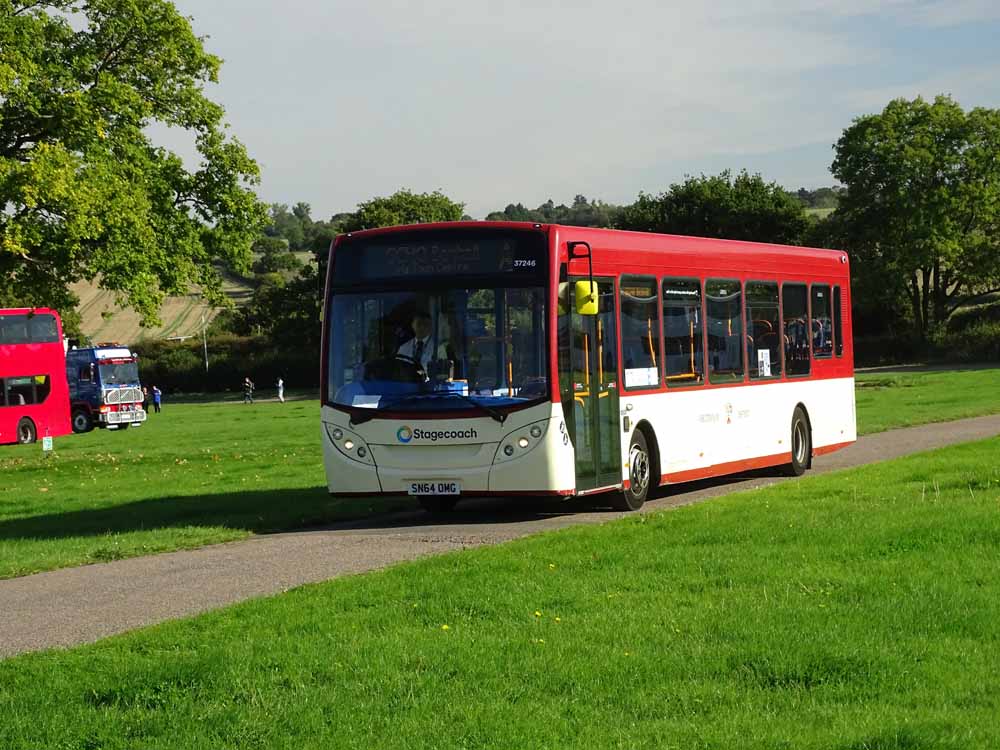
593, 387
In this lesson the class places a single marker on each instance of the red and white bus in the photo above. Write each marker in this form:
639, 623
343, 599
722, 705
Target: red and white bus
34, 397
482, 358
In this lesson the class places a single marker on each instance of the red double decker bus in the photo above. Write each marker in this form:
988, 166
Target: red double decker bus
34, 396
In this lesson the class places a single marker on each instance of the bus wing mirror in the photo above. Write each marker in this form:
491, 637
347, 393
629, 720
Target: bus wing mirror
586, 297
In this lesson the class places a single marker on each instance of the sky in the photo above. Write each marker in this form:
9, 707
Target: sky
496, 102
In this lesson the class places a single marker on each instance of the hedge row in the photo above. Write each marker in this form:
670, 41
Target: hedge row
979, 342
180, 366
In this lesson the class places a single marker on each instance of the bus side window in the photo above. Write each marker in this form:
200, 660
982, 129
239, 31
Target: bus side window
763, 330
821, 324
3, 392
640, 332
838, 336
724, 306
683, 343
795, 321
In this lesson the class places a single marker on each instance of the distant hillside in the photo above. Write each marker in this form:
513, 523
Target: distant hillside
102, 320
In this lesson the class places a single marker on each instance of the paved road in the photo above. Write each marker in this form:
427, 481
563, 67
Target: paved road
80, 605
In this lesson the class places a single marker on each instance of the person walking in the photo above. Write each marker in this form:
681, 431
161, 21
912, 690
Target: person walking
145, 399
281, 390
157, 395
247, 390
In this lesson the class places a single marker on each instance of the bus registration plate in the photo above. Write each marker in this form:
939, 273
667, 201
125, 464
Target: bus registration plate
437, 487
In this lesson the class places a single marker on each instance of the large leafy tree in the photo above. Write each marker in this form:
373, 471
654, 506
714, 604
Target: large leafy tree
922, 202
744, 207
85, 192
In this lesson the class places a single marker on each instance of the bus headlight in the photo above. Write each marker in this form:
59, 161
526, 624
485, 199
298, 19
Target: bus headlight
350, 444
520, 441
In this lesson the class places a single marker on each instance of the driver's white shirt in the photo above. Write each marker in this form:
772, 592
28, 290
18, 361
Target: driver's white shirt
409, 347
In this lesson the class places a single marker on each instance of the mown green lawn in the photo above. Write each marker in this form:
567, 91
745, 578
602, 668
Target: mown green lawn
887, 401
200, 474
851, 610
192, 475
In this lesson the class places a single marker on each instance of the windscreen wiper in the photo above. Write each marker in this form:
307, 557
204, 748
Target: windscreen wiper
499, 416
370, 414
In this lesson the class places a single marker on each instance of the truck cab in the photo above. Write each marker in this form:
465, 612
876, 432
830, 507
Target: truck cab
104, 388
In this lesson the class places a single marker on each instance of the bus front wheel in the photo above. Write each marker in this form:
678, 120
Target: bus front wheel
437, 503
639, 476
82, 421
26, 432
801, 444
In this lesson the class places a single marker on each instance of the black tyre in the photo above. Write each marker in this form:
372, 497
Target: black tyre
438, 503
640, 478
26, 432
82, 421
801, 444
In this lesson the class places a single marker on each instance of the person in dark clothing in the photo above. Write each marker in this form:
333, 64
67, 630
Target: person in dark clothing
157, 395
247, 390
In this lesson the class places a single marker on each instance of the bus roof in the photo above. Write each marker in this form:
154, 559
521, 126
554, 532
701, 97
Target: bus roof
28, 311
620, 238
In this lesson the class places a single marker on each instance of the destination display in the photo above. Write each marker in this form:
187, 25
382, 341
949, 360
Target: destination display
440, 254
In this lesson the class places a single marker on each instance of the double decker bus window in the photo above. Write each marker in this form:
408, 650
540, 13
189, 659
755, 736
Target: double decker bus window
795, 319
28, 328
27, 390
3, 392
763, 330
724, 302
838, 337
640, 332
683, 343
821, 323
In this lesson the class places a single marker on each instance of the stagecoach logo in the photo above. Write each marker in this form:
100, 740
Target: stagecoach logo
406, 434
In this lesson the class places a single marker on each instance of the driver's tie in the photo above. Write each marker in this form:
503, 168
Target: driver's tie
418, 351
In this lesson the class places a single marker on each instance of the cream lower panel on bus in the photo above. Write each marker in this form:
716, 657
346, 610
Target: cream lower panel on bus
698, 429
526, 453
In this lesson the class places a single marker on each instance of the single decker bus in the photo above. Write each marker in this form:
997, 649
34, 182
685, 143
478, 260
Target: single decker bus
494, 358
34, 396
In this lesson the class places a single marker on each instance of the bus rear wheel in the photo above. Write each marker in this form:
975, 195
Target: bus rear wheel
801, 444
82, 421
639, 475
437, 503
26, 432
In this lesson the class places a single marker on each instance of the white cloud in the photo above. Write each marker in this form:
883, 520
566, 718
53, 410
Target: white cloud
493, 102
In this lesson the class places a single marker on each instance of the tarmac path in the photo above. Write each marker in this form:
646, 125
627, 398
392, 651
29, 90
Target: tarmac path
71, 606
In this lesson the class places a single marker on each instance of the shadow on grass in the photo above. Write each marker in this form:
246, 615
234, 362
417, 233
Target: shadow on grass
272, 511
259, 511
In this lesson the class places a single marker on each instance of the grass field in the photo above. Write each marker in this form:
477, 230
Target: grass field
852, 610
886, 401
192, 475
205, 473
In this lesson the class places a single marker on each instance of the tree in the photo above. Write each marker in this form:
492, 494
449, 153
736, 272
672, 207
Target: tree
583, 213
404, 207
85, 193
740, 208
922, 201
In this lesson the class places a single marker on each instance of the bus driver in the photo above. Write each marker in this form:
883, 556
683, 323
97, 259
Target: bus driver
421, 348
